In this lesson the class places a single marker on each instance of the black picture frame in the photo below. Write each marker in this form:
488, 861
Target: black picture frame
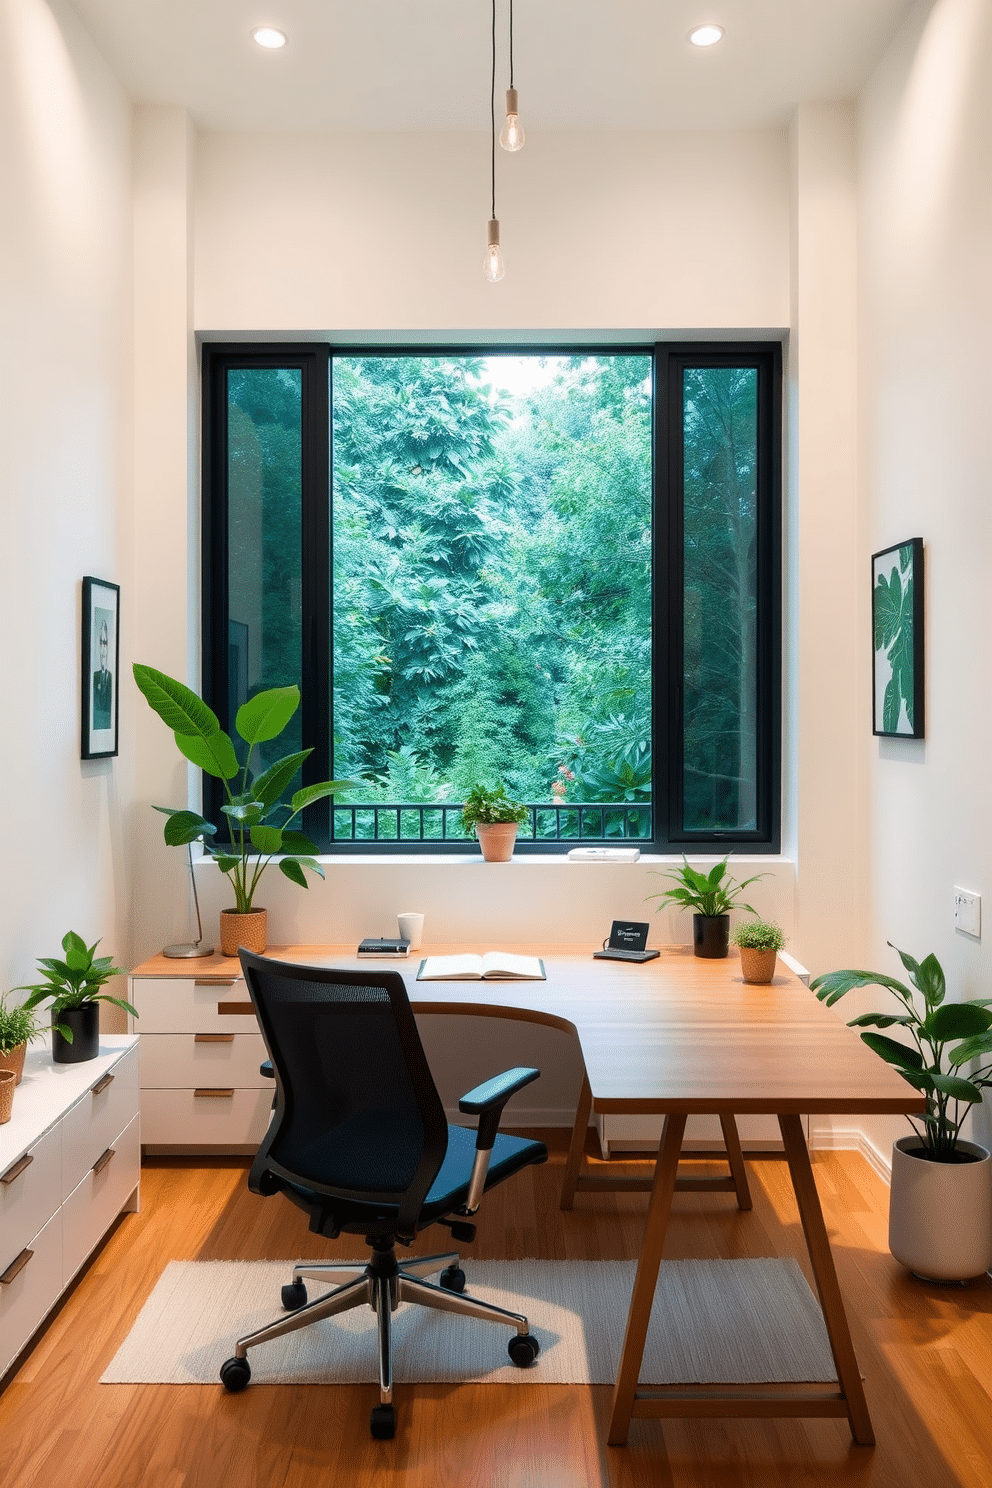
897, 641
101, 650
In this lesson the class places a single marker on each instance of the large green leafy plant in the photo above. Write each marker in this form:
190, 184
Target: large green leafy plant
709, 894
930, 1063
71, 982
257, 818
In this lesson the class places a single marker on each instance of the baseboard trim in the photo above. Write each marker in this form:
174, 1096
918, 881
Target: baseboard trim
852, 1139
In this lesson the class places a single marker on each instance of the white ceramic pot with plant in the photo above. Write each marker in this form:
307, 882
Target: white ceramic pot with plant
940, 1204
759, 942
711, 896
258, 820
494, 818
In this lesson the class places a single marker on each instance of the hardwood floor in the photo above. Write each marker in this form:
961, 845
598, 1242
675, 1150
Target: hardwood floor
925, 1351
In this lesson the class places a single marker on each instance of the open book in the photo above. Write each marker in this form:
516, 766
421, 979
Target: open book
495, 966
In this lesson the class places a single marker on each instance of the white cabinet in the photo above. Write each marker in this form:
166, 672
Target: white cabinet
200, 1056
69, 1164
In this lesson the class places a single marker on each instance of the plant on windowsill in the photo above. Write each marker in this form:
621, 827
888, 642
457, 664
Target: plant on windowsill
18, 1028
940, 1203
72, 987
494, 818
711, 896
258, 829
759, 942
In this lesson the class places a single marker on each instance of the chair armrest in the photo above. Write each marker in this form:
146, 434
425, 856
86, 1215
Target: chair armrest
487, 1101
266, 1069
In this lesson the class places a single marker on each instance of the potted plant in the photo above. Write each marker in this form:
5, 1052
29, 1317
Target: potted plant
711, 896
759, 942
940, 1202
18, 1027
494, 818
258, 820
73, 988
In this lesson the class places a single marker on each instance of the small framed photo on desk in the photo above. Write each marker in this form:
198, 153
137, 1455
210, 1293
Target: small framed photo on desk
628, 942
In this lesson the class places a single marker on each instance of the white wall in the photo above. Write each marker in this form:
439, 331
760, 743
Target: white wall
926, 326
64, 477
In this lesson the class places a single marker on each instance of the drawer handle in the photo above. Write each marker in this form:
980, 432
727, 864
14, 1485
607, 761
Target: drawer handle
101, 1085
238, 1009
214, 1094
214, 981
103, 1160
213, 1038
16, 1267
16, 1169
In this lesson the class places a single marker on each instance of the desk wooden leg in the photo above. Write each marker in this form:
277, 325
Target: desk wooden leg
825, 1274
735, 1158
646, 1279
577, 1146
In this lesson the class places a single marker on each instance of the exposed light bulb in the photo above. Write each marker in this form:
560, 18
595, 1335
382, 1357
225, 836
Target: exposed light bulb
269, 37
492, 264
511, 136
704, 36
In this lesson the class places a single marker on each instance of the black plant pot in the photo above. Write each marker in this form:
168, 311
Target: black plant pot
710, 935
84, 1022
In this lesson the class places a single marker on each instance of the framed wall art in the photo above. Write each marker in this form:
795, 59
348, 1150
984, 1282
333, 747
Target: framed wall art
897, 626
101, 657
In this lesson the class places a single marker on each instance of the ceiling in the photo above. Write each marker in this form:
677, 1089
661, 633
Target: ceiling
404, 65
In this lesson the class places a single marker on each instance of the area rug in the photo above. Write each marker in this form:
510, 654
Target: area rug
730, 1322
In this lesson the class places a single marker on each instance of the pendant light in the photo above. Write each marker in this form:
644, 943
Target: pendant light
511, 136
492, 264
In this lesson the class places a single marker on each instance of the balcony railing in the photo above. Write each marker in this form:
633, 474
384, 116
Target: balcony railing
441, 822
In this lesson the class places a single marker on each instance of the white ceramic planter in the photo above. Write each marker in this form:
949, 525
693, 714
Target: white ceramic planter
940, 1214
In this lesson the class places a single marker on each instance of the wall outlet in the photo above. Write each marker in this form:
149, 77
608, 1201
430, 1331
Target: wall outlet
968, 912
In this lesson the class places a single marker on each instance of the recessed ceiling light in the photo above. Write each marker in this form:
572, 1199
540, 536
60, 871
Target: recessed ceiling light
706, 35
269, 37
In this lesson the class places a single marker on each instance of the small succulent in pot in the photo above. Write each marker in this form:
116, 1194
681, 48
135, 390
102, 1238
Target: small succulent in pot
759, 935
759, 942
18, 1027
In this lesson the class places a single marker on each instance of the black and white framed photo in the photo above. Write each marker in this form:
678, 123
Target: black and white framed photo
101, 656
897, 626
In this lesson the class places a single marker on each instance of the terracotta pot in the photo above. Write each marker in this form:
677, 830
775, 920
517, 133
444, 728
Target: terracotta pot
496, 840
84, 1022
7, 1082
14, 1060
940, 1214
710, 935
757, 966
249, 930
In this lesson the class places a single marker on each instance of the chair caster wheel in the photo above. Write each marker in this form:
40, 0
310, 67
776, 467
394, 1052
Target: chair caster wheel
234, 1375
452, 1278
383, 1422
523, 1349
294, 1296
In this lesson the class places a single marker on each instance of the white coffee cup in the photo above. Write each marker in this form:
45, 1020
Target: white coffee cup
411, 927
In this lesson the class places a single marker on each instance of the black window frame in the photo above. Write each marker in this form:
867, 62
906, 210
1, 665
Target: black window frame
669, 359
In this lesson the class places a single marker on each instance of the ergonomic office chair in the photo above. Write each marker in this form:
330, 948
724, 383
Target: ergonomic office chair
358, 1139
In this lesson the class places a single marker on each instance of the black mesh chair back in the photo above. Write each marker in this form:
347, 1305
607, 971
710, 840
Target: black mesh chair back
357, 1114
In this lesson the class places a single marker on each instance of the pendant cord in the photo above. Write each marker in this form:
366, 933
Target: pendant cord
511, 43
492, 110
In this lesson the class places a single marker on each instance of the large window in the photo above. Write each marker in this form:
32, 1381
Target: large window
557, 568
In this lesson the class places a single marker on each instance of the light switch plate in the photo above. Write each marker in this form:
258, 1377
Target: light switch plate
968, 912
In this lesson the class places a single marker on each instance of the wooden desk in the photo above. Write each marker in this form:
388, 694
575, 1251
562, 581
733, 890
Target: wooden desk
676, 1036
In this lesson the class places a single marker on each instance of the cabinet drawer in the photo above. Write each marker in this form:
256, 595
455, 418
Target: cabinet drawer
180, 1118
30, 1193
176, 1061
91, 1125
26, 1299
95, 1202
181, 1005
